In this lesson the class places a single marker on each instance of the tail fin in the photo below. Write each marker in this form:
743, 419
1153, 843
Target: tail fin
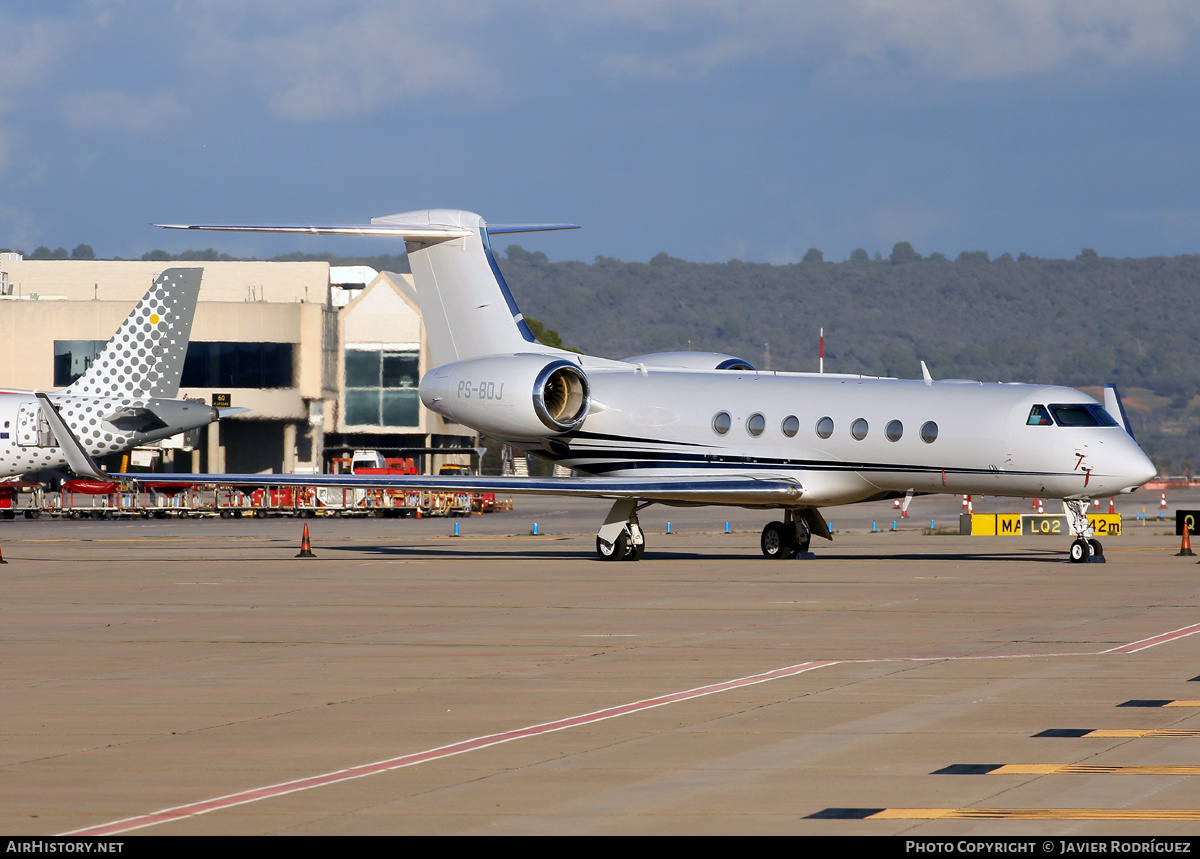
145, 357
1116, 408
466, 306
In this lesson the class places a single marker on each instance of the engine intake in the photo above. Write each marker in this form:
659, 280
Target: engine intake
525, 396
561, 396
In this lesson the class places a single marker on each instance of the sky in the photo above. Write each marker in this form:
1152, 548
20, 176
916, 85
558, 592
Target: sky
706, 129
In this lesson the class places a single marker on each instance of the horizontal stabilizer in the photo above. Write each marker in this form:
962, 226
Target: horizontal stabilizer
378, 227
400, 231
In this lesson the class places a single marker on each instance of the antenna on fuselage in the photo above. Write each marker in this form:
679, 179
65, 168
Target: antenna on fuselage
821, 357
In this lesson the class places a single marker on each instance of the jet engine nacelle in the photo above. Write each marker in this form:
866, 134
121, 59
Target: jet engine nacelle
510, 396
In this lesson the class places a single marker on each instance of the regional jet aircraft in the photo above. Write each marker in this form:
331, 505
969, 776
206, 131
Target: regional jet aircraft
701, 428
126, 398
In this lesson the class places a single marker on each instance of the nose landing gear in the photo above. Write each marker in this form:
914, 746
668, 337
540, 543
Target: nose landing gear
1085, 548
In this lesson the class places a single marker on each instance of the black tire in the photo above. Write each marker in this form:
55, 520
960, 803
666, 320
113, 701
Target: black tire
777, 542
616, 552
1080, 551
636, 552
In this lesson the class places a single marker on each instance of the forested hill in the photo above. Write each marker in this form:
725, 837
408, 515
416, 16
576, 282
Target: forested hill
1081, 322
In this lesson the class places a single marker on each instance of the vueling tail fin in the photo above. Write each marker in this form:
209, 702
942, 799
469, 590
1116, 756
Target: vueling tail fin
466, 306
145, 357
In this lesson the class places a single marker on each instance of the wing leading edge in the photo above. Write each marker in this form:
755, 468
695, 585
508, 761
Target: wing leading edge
766, 491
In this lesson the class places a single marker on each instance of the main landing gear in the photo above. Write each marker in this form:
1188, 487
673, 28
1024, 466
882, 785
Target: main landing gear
620, 537
787, 539
1085, 548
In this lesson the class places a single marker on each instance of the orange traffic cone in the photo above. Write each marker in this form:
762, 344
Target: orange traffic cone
305, 546
1185, 550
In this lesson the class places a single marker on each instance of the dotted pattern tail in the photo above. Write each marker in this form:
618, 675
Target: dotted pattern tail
145, 357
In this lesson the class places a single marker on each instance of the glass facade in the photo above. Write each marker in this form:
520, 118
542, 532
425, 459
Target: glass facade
238, 365
207, 365
381, 388
73, 358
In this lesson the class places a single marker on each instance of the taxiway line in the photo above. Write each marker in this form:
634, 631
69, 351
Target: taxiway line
241, 798
255, 794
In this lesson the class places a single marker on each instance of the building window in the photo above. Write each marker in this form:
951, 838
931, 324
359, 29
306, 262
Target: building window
381, 388
238, 365
73, 358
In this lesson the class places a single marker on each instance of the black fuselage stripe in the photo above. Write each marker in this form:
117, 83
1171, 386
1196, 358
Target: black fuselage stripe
603, 461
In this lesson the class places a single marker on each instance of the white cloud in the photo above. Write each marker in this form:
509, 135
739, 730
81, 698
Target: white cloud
31, 50
374, 57
1006, 40
948, 39
120, 111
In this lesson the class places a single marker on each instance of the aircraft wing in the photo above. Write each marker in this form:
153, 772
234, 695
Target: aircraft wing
756, 491
738, 490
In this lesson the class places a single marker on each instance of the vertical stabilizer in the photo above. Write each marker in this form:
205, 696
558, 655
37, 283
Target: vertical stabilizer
1116, 408
466, 306
145, 357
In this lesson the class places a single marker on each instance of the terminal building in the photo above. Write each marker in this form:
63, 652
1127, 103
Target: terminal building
326, 359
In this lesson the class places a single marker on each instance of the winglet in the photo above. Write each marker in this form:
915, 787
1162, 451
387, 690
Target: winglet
78, 459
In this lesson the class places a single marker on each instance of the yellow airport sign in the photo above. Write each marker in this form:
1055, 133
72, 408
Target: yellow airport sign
1034, 524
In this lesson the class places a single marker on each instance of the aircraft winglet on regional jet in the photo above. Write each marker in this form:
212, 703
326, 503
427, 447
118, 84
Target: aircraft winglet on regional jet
689, 428
128, 395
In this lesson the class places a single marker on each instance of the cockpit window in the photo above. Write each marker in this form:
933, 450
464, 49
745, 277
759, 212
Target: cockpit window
1081, 415
1039, 417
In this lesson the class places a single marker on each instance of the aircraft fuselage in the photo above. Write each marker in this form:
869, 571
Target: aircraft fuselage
946, 436
103, 425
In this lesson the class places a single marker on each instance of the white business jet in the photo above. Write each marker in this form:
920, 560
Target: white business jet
126, 398
696, 428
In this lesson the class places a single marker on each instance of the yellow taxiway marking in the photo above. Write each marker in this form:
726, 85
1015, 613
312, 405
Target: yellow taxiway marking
1088, 769
1036, 814
1127, 733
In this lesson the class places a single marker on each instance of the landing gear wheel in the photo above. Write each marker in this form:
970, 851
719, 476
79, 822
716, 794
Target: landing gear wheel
1097, 549
614, 552
1080, 551
777, 541
636, 552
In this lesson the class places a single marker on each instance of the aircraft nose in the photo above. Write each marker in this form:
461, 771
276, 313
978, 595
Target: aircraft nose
1134, 467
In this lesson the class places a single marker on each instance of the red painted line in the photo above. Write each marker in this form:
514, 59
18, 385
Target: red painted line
228, 801
1182, 632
